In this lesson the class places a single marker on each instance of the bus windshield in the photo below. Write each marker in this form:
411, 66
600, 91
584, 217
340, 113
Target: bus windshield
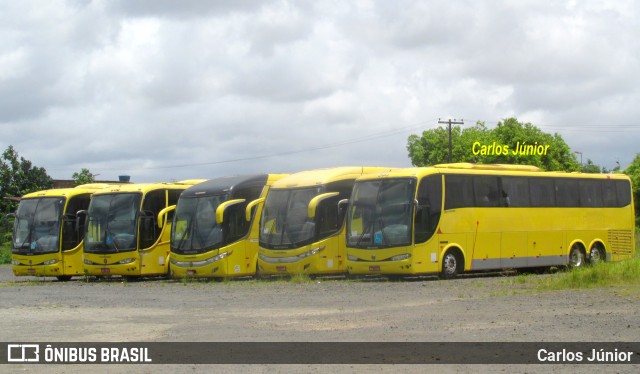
195, 229
285, 222
112, 223
36, 228
381, 213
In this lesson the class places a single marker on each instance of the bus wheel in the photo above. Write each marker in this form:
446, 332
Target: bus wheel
63, 278
576, 257
450, 265
596, 255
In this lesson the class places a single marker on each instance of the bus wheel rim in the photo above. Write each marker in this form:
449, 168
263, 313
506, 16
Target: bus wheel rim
595, 255
450, 264
575, 259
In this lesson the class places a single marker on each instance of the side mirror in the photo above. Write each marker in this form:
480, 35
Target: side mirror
313, 204
247, 211
223, 206
81, 216
162, 213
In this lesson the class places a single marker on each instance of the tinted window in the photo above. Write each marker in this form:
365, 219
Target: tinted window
516, 191
486, 191
542, 192
567, 193
623, 191
429, 207
458, 191
609, 193
590, 193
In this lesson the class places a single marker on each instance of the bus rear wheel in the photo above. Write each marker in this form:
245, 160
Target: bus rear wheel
596, 255
450, 265
576, 257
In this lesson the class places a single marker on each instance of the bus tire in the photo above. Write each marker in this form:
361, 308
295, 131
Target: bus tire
596, 254
451, 264
576, 257
63, 278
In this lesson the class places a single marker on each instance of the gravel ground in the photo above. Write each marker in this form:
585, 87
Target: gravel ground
476, 308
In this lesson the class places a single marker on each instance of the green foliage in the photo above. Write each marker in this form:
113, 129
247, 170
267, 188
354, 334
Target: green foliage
633, 171
18, 177
83, 177
432, 147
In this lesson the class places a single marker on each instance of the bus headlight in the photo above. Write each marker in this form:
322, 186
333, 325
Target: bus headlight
278, 260
352, 258
401, 257
13, 262
208, 261
126, 261
310, 253
88, 262
50, 262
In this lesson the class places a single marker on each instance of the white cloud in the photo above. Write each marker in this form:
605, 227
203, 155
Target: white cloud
133, 87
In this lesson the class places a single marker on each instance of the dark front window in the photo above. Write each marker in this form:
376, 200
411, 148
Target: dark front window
36, 228
112, 223
72, 226
194, 227
285, 221
380, 214
429, 207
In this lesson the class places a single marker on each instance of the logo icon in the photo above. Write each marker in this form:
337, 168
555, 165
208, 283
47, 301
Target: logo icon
23, 353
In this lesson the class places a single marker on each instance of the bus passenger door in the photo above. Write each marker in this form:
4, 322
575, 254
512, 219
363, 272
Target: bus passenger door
153, 240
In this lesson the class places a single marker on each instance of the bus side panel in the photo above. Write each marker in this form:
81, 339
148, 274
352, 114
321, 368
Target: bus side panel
513, 250
72, 261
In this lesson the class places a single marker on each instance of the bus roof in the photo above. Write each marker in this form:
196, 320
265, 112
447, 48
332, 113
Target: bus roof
146, 187
72, 191
485, 169
217, 186
309, 178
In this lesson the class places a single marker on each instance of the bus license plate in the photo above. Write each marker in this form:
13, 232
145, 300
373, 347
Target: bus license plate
374, 268
31, 271
281, 268
191, 272
104, 270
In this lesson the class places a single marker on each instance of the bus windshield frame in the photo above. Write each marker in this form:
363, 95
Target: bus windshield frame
385, 211
285, 223
195, 229
36, 229
112, 223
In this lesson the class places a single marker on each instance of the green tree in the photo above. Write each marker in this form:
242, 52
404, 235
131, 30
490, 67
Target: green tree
633, 171
83, 177
18, 177
432, 147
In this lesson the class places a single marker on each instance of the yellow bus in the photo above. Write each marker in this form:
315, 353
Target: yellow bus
215, 229
128, 228
48, 232
302, 223
453, 218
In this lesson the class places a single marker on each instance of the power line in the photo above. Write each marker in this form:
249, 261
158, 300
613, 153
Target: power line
286, 153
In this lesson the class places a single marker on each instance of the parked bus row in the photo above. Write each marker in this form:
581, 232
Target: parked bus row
446, 219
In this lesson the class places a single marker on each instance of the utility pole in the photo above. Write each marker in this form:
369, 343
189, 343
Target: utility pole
450, 122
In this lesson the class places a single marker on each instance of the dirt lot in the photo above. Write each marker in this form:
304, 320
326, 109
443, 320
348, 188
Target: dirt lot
476, 308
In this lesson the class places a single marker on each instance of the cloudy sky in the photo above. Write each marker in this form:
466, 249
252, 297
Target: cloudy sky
166, 90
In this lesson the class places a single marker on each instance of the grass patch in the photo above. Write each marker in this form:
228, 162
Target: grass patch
606, 274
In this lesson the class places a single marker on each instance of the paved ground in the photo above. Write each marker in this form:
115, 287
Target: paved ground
479, 308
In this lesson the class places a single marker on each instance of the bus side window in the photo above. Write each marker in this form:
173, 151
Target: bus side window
153, 203
72, 226
429, 207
